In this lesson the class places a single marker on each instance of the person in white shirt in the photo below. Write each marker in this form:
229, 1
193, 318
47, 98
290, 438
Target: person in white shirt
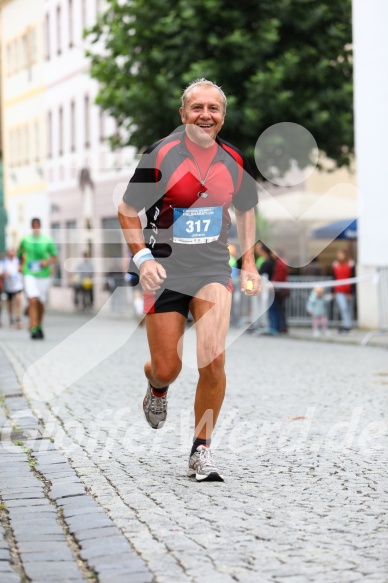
12, 287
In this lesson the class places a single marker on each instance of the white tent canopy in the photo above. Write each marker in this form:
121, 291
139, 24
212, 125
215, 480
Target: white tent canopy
294, 215
338, 203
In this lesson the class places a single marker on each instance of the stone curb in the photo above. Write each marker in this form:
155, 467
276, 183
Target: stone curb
51, 529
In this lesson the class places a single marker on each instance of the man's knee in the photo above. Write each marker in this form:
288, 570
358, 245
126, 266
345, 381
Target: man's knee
211, 362
165, 373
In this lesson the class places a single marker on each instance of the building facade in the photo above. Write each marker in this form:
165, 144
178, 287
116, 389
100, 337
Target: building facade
23, 118
58, 164
85, 178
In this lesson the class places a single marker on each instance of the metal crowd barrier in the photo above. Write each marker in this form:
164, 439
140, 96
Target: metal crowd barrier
382, 298
247, 309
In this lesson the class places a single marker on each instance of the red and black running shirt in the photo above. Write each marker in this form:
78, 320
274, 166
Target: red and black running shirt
169, 177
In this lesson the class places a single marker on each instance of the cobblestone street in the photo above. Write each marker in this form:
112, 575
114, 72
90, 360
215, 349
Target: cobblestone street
88, 492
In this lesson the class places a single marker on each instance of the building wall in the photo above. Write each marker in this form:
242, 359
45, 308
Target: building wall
371, 114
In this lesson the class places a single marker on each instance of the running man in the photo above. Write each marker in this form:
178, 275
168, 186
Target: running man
37, 252
185, 183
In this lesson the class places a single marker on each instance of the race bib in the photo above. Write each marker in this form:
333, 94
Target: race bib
34, 266
193, 226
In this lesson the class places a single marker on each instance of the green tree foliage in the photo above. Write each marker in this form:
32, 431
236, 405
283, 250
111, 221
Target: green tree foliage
277, 60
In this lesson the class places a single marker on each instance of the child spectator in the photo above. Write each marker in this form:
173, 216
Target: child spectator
317, 308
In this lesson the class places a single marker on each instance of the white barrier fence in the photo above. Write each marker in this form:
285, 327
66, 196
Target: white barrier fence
246, 309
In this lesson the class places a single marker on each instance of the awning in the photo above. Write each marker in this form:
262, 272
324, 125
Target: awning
345, 229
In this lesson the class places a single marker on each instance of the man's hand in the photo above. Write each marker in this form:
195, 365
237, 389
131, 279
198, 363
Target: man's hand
250, 280
47, 262
152, 275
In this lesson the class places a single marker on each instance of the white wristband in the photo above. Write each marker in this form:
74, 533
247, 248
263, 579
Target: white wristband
141, 257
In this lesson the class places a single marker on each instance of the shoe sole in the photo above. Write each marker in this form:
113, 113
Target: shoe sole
158, 426
212, 477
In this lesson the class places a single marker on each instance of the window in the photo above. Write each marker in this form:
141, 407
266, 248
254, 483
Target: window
56, 268
71, 249
24, 58
70, 10
27, 145
60, 131
59, 30
72, 126
83, 16
30, 51
37, 141
102, 125
17, 54
32, 47
9, 59
47, 37
11, 147
87, 121
49, 135
112, 241
18, 147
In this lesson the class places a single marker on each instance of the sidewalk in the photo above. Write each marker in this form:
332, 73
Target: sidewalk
355, 336
50, 528
88, 492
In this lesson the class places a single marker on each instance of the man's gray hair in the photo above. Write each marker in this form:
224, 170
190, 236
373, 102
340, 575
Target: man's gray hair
202, 83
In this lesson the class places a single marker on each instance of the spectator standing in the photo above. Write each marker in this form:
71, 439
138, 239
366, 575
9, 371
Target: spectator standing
280, 274
267, 268
38, 253
12, 287
236, 294
84, 284
344, 268
317, 308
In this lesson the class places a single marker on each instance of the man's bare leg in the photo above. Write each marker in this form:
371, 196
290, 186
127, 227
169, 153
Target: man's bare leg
18, 309
164, 331
40, 309
211, 312
33, 312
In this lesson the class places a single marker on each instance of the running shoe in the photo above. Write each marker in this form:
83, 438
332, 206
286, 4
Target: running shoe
155, 409
202, 466
37, 333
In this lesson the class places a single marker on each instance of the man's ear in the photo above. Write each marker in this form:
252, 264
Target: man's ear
182, 114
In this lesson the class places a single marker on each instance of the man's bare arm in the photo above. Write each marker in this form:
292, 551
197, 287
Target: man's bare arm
152, 273
131, 226
246, 230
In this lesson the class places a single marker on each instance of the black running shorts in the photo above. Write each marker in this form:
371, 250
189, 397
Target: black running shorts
173, 300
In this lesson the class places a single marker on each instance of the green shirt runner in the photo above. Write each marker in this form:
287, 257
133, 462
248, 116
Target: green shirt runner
33, 250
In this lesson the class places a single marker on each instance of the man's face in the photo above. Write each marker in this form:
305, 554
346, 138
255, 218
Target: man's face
203, 114
258, 249
36, 227
341, 256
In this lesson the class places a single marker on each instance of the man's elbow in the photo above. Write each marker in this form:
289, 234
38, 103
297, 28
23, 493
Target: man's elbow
126, 210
